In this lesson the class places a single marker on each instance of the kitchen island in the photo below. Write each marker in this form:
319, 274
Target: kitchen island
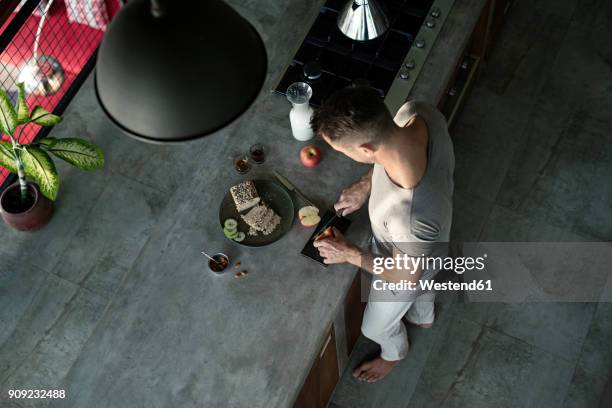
113, 301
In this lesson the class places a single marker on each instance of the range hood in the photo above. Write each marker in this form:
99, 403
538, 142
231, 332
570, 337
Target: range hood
363, 20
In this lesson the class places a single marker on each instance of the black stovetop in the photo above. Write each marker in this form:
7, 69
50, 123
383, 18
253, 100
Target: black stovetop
343, 61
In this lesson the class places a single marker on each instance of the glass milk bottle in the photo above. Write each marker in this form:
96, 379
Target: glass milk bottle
299, 93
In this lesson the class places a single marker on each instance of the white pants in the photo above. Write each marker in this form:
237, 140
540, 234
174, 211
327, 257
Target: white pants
382, 323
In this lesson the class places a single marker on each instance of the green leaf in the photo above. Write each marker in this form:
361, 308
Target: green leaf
22, 107
78, 152
8, 116
7, 158
46, 141
39, 166
43, 118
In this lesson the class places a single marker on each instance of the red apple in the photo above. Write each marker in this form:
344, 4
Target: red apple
328, 233
309, 216
310, 156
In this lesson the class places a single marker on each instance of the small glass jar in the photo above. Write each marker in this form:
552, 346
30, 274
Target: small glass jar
257, 152
241, 163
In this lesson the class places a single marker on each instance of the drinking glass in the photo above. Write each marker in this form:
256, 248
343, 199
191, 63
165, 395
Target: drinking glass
257, 153
241, 164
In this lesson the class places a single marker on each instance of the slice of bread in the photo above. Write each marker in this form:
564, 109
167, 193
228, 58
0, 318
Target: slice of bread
245, 195
262, 218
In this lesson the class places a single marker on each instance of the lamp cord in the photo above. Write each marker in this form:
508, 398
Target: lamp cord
40, 27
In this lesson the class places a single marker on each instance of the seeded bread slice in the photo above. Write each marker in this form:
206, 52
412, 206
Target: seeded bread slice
245, 195
262, 218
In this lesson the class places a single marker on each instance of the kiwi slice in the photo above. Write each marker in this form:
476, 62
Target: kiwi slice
239, 236
230, 224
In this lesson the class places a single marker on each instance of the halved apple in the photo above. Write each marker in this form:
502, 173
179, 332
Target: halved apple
328, 233
309, 216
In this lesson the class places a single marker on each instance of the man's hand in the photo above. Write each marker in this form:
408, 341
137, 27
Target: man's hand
338, 249
353, 197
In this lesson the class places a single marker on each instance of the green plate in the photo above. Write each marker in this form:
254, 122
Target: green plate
277, 198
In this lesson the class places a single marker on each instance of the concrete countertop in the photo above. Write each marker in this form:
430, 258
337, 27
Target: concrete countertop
112, 301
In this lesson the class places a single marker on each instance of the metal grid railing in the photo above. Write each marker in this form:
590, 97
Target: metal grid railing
50, 46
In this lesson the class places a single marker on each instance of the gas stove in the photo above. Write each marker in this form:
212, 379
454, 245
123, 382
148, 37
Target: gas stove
328, 60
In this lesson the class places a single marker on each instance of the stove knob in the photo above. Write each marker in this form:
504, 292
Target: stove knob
435, 12
410, 64
312, 71
420, 43
404, 74
430, 23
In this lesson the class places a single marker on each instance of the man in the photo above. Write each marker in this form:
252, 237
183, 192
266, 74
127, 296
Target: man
410, 190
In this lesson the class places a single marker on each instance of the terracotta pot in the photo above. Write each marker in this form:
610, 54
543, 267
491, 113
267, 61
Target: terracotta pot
31, 217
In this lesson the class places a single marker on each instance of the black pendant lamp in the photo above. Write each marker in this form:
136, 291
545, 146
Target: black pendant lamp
176, 70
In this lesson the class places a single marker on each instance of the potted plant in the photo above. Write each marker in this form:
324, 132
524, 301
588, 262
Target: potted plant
25, 205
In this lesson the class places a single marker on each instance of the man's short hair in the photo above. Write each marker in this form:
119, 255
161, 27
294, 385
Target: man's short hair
353, 115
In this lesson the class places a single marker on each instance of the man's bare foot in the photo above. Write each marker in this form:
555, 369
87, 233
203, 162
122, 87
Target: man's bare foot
374, 370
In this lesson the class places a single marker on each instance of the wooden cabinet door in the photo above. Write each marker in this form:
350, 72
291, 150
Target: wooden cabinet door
323, 376
353, 312
328, 369
309, 395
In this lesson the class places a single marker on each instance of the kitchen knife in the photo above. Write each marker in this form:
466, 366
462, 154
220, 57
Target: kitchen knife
291, 187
